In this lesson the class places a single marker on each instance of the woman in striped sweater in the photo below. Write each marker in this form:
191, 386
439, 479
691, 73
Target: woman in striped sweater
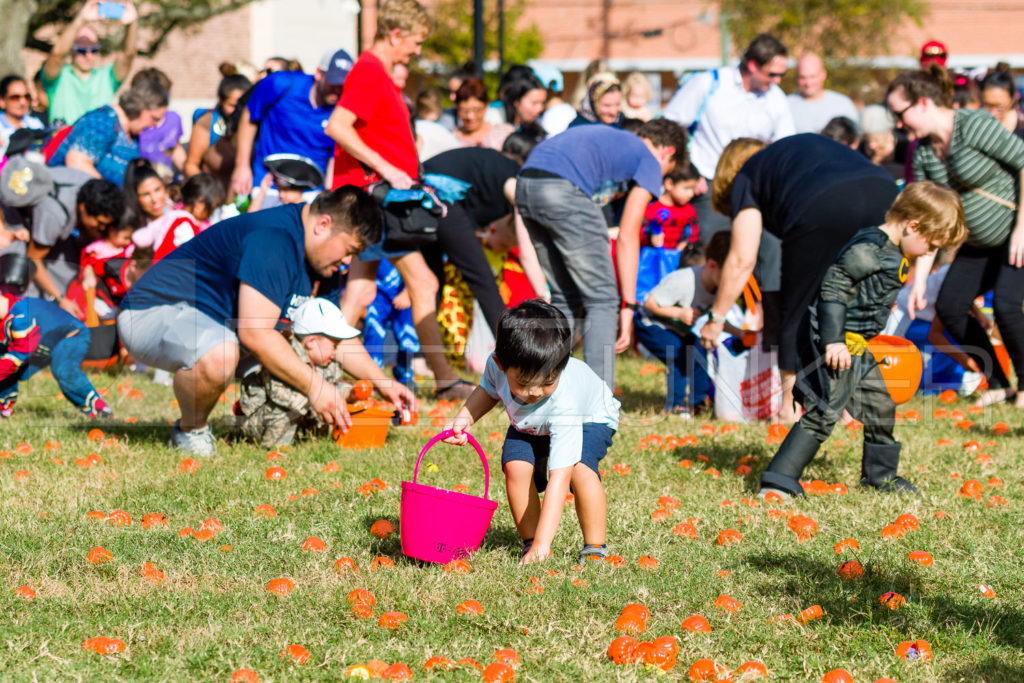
970, 151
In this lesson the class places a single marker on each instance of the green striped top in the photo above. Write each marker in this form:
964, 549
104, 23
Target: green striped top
982, 155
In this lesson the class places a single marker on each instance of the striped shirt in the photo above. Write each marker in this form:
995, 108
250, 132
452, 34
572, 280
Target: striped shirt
984, 155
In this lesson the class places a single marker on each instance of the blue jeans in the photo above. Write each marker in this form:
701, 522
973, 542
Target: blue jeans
684, 357
65, 361
570, 235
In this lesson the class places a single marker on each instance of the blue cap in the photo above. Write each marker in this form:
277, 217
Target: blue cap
548, 75
335, 64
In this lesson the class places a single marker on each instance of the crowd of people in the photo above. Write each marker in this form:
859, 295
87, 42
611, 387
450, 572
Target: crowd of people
305, 207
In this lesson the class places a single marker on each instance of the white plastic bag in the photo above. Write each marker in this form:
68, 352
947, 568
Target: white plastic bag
480, 342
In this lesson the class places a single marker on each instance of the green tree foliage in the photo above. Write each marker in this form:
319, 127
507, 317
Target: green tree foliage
450, 44
835, 29
31, 23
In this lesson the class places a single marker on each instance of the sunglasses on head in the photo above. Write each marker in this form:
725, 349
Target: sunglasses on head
86, 50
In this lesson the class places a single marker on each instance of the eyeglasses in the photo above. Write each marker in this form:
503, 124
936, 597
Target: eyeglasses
86, 50
899, 114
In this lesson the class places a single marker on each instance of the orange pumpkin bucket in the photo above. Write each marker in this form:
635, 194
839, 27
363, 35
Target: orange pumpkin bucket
369, 428
900, 363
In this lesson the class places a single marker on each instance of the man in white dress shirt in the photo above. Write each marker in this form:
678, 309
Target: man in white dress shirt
732, 102
812, 105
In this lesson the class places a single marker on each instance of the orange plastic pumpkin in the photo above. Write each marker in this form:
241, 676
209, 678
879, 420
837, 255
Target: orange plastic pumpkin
900, 364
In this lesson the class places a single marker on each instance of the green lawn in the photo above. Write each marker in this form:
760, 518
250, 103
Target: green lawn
212, 614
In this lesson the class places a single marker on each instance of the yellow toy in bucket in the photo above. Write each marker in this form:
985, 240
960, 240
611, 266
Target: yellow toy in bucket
438, 525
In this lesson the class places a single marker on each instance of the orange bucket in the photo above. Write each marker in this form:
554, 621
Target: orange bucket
369, 429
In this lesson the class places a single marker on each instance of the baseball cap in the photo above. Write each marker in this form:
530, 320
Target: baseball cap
335, 64
934, 51
320, 316
24, 182
548, 75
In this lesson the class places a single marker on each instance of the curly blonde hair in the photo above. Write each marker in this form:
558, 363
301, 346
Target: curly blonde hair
735, 154
408, 16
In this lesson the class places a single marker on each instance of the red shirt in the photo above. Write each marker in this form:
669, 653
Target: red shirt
677, 223
382, 122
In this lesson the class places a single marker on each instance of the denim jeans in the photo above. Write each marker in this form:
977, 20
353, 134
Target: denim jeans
570, 235
684, 357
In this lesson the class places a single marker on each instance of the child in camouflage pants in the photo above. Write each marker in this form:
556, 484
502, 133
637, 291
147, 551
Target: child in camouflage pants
272, 410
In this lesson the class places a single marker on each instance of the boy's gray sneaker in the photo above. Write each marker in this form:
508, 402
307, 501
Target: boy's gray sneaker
593, 552
196, 442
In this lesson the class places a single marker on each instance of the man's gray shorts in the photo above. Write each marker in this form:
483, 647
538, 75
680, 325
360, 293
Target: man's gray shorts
171, 337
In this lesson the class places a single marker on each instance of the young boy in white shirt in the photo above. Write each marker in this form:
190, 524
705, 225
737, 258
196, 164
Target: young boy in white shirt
563, 420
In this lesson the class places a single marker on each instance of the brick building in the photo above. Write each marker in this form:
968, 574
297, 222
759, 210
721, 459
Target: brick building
662, 38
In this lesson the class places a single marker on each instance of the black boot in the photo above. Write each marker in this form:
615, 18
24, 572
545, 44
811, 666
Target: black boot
783, 473
878, 469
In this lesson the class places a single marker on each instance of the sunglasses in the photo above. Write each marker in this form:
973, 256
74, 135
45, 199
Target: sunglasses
935, 52
775, 74
86, 50
18, 96
899, 114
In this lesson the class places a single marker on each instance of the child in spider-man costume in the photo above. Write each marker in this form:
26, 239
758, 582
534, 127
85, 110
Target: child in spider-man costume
37, 334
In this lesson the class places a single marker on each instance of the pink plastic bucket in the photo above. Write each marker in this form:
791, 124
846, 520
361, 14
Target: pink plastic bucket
438, 525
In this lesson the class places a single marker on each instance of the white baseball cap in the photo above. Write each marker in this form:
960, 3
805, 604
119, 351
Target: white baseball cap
320, 316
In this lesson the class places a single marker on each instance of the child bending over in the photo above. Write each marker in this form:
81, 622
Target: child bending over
35, 334
272, 411
563, 420
663, 327
853, 305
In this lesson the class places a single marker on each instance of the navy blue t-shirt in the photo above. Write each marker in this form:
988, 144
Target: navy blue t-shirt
600, 160
288, 122
785, 178
265, 250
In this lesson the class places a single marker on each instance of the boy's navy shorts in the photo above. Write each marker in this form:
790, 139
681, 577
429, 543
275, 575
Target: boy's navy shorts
597, 438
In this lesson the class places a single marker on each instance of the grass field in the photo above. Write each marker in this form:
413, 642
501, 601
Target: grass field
212, 613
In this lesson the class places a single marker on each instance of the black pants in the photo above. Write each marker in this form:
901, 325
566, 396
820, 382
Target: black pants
824, 394
974, 271
456, 237
812, 243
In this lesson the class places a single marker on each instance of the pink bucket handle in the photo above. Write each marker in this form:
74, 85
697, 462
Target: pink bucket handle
473, 442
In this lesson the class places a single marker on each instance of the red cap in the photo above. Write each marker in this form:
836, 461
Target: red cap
933, 51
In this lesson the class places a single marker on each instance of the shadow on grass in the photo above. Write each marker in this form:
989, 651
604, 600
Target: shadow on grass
989, 670
640, 400
803, 579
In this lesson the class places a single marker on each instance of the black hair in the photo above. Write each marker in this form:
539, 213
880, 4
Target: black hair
717, 247
692, 255
631, 125
763, 49
665, 133
999, 77
519, 144
467, 70
138, 172
8, 81
99, 197
352, 210
842, 129
231, 83
202, 187
682, 172
534, 338
515, 89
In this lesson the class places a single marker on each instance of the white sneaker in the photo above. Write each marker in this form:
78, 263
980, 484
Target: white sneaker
196, 442
970, 382
162, 377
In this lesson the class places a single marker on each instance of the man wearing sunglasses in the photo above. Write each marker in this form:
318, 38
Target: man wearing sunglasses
718, 106
85, 84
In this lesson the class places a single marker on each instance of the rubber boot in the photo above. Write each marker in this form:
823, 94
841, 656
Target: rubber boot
878, 469
783, 473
